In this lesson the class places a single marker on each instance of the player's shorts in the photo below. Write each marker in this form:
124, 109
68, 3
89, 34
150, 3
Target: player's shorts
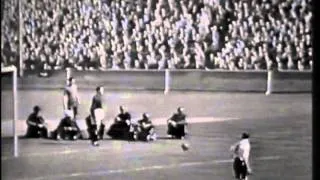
240, 168
97, 116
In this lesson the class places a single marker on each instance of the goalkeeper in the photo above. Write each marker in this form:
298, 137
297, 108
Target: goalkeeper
36, 125
177, 124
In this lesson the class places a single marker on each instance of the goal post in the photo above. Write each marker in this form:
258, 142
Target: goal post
166, 81
269, 82
13, 70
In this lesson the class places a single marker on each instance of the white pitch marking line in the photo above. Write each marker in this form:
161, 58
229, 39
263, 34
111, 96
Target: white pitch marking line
53, 153
146, 168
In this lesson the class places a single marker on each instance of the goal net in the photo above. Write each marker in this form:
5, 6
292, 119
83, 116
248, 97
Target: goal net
9, 106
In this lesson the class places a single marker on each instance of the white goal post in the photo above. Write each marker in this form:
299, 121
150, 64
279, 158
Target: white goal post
269, 83
166, 81
13, 70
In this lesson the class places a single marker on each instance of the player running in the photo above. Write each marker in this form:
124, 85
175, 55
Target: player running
241, 153
177, 124
36, 125
96, 116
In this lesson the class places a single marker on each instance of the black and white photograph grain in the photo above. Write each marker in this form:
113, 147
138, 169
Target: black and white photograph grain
156, 90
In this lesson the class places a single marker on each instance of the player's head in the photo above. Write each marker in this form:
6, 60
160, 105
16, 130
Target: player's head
100, 89
122, 109
145, 116
71, 81
36, 109
180, 110
245, 135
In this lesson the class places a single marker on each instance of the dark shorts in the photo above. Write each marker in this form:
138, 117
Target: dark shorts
240, 168
178, 131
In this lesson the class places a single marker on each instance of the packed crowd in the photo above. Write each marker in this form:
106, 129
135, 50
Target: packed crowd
158, 34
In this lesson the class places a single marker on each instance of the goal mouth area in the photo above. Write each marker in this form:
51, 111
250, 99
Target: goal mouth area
13, 70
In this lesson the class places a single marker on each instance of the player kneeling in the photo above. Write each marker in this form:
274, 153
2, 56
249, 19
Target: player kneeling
121, 128
67, 128
145, 129
177, 124
36, 125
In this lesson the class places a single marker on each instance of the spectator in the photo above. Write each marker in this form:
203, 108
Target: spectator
61, 28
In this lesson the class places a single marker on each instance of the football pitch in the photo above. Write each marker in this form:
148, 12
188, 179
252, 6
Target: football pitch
280, 126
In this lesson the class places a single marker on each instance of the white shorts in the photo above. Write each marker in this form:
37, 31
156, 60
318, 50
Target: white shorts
99, 116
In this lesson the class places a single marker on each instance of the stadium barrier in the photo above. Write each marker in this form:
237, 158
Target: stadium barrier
291, 81
176, 80
224, 81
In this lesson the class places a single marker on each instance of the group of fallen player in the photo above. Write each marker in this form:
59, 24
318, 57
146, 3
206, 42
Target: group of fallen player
123, 127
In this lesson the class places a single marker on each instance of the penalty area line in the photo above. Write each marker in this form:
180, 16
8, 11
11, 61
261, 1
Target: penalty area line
147, 168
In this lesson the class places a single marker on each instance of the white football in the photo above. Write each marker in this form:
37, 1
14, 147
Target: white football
185, 146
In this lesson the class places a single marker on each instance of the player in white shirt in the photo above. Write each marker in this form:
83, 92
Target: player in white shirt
241, 153
71, 99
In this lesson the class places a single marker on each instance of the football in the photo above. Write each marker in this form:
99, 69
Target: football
185, 146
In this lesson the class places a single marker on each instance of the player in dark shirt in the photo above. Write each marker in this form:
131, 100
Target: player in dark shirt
121, 126
36, 125
97, 115
146, 130
177, 124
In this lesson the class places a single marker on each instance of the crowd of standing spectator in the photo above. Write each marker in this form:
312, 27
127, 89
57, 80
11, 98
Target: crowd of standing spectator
159, 34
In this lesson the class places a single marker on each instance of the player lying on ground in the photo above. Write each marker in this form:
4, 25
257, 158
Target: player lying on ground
241, 153
36, 125
177, 124
67, 128
145, 129
122, 126
96, 117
